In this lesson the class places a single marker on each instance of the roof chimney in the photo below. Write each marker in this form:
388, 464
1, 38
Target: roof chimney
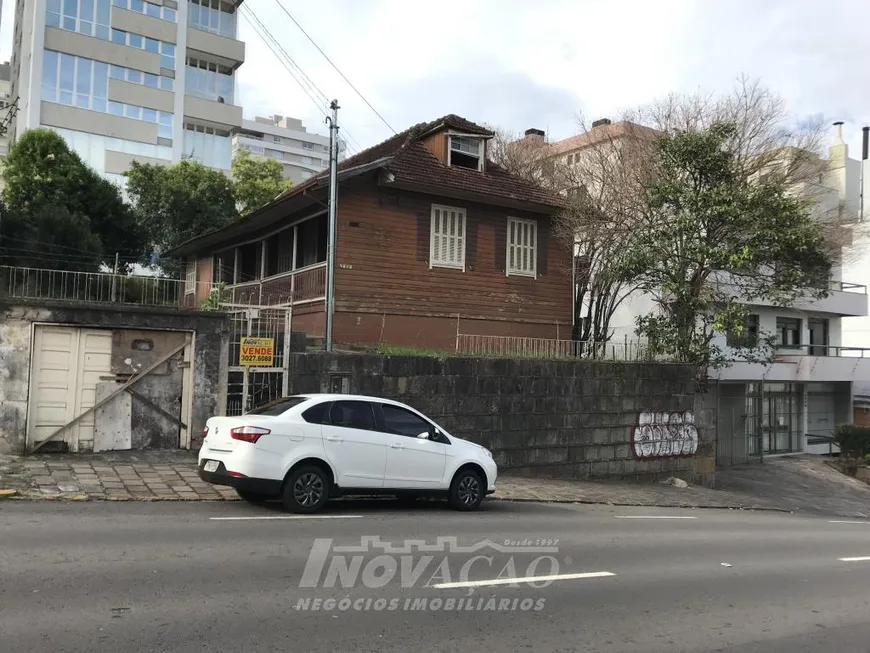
601, 121
865, 142
536, 135
838, 133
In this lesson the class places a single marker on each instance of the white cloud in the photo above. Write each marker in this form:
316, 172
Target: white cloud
520, 64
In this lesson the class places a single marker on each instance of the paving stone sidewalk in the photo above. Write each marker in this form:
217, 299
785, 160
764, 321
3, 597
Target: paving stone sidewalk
171, 476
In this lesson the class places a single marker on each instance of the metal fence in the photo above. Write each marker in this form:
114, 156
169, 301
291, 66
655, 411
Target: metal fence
844, 286
93, 287
520, 347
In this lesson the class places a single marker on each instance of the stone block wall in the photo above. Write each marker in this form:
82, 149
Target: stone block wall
551, 418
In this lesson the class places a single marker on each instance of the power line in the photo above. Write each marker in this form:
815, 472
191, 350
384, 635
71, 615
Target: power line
306, 83
47, 255
349, 83
26, 241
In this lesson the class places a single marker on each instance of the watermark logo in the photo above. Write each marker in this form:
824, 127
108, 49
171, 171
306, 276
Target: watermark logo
444, 564
374, 564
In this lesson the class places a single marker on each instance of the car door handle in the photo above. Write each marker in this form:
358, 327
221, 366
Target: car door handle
334, 438
397, 446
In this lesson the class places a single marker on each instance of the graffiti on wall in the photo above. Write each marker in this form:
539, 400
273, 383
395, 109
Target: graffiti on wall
664, 435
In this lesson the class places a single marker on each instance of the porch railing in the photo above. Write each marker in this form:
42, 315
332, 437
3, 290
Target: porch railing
521, 347
824, 350
92, 287
844, 286
300, 286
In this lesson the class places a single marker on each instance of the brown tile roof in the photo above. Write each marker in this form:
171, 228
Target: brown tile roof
410, 162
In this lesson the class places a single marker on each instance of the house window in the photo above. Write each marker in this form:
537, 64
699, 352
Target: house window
224, 267
570, 159
522, 247
788, 332
190, 276
748, 337
447, 241
466, 152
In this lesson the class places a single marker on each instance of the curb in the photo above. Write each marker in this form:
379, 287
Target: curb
623, 504
176, 499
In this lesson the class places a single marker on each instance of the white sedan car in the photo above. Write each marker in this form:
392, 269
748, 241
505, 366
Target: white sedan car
306, 449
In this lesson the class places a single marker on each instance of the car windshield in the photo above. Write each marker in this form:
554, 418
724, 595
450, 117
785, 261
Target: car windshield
278, 407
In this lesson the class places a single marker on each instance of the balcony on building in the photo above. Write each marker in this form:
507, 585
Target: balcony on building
807, 347
843, 299
212, 30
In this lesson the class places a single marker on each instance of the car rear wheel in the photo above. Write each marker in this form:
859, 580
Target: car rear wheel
306, 490
253, 497
467, 490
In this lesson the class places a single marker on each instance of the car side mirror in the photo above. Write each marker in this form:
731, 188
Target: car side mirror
423, 436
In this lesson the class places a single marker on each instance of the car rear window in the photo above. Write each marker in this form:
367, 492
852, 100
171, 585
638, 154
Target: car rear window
317, 414
278, 407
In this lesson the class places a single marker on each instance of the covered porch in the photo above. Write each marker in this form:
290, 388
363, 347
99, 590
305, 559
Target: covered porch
286, 267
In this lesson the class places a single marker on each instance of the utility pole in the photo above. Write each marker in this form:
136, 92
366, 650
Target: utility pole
865, 152
333, 206
114, 276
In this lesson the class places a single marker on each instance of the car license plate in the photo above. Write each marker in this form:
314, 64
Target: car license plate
211, 466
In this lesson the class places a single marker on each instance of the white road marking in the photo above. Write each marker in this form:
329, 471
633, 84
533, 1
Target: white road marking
274, 517
840, 521
858, 559
525, 579
653, 517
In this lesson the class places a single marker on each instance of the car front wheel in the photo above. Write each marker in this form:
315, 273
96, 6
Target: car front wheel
467, 490
306, 490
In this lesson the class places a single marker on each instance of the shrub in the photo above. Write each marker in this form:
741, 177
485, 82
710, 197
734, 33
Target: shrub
853, 440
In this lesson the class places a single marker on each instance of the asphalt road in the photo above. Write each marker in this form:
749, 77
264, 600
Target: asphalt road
194, 577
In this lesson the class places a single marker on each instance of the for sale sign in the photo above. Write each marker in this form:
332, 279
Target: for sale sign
257, 351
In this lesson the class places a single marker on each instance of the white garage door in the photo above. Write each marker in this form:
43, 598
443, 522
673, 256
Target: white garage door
67, 365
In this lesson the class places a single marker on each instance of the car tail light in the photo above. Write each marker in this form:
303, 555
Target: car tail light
205, 432
248, 433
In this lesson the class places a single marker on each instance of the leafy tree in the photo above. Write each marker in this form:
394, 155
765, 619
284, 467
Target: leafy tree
58, 211
712, 235
256, 181
176, 203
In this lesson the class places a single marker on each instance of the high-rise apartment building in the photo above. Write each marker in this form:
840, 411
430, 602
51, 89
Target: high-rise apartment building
301, 154
130, 80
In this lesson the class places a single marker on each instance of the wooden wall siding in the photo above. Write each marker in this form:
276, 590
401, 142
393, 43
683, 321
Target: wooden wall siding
310, 318
437, 144
382, 262
203, 278
427, 332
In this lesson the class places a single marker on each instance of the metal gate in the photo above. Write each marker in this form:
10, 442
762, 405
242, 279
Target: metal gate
257, 378
739, 421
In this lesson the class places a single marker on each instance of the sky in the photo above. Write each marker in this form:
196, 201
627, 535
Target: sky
517, 64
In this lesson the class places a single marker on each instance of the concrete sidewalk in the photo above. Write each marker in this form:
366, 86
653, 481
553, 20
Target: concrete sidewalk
172, 476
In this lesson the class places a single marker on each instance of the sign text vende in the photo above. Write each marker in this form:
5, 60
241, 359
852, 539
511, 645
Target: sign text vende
257, 351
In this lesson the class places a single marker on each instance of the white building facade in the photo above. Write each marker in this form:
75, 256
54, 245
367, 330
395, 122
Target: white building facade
130, 80
300, 153
794, 403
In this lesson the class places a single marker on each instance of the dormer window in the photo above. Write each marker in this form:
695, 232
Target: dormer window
466, 152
